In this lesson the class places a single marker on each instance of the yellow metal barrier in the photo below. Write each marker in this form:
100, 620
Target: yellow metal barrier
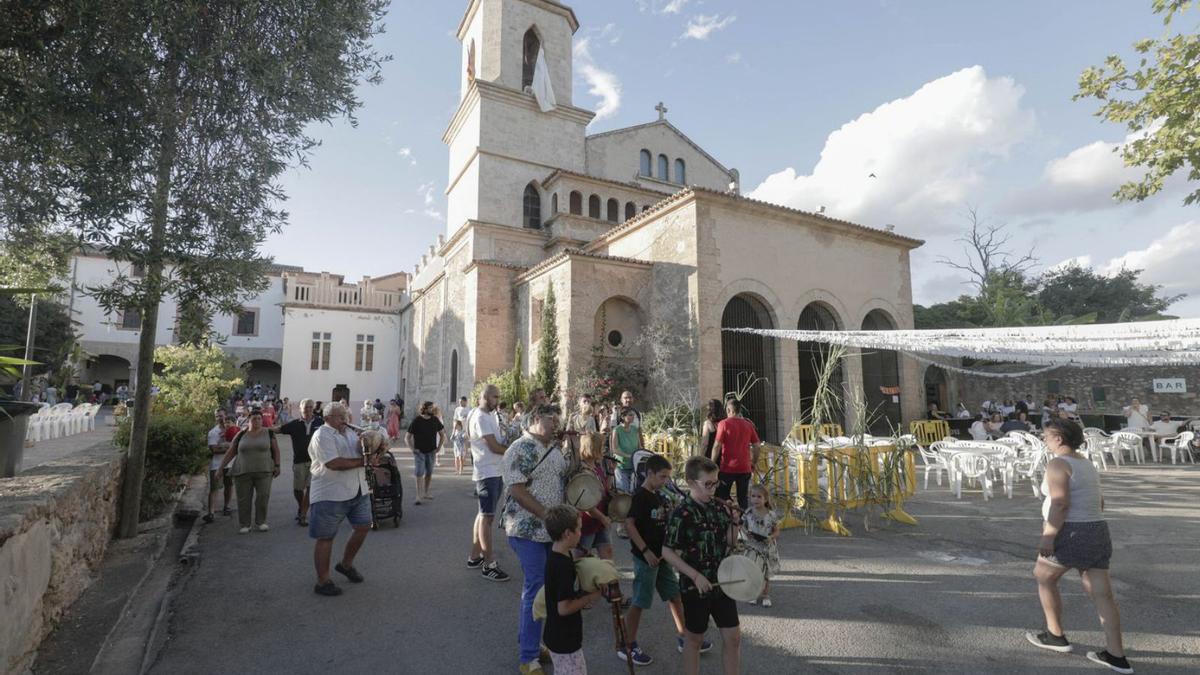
804, 432
928, 431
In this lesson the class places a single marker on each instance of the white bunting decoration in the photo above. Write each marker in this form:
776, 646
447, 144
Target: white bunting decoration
1151, 343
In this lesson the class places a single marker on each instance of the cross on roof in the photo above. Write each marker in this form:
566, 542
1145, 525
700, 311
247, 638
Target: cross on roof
662, 110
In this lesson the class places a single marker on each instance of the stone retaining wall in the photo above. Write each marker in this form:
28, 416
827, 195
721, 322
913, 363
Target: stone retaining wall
56, 521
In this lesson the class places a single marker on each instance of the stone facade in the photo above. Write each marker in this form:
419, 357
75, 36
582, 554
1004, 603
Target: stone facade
56, 521
1117, 385
631, 249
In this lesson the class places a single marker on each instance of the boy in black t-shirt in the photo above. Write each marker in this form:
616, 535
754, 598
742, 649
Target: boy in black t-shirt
562, 632
699, 534
647, 525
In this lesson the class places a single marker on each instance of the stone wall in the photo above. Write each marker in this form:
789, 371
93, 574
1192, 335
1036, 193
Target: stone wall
56, 521
1119, 386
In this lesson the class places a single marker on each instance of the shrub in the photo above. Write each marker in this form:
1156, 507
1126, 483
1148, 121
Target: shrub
195, 381
175, 445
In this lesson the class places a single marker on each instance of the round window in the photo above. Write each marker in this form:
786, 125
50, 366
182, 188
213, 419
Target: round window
615, 338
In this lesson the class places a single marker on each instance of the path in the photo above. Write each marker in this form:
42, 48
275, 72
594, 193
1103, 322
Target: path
56, 448
952, 595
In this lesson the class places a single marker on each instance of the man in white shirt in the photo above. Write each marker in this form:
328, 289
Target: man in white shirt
1137, 415
487, 453
1165, 426
338, 492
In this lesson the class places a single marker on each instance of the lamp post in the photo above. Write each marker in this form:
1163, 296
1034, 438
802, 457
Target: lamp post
27, 369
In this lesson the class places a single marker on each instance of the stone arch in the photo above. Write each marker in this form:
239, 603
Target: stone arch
263, 370
530, 44
531, 208
743, 354
454, 375
812, 360
594, 207
553, 204
880, 372
664, 168
618, 325
937, 384
680, 171
111, 370
613, 210
630, 210
645, 162
576, 203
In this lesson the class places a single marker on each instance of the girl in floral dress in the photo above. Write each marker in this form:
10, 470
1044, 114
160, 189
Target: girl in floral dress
760, 527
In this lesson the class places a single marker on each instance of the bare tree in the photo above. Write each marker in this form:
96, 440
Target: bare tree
987, 252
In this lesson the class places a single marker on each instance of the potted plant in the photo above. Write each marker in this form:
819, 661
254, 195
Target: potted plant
14, 415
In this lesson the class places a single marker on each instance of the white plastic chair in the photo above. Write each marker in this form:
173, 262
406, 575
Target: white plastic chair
1127, 441
975, 468
1031, 465
1177, 444
934, 462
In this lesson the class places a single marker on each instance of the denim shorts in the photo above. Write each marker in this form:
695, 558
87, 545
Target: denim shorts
488, 490
589, 541
647, 579
423, 463
324, 517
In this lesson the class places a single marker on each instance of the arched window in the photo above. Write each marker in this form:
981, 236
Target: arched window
454, 375
576, 203
644, 165
529, 57
594, 207
646, 207
680, 172
663, 165
532, 207
614, 210
630, 210
553, 204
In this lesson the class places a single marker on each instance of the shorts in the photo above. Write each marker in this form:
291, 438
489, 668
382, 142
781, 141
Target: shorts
212, 480
697, 608
1082, 546
589, 541
488, 490
625, 479
301, 476
661, 577
423, 463
324, 517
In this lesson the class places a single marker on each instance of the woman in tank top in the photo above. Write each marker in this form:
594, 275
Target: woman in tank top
1075, 536
708, 431
257, 454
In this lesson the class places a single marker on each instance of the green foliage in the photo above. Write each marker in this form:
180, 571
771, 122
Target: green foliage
54, 336
672, 420
175, 446
1156, 99
194, 381
34, 256
1075, 290
545, 377
609, 377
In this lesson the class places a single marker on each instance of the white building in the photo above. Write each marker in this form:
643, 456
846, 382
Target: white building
308, 334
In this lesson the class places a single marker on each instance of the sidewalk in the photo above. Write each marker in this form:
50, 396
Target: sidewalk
56, 448
952, 595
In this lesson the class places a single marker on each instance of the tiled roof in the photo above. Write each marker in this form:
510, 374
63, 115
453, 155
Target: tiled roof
624, 184
577, 253
695, 190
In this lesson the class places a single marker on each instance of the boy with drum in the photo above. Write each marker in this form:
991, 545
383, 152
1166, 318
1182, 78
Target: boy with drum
701, 531
647, 525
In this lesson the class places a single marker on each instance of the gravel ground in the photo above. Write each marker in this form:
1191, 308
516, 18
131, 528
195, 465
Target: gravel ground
951, 595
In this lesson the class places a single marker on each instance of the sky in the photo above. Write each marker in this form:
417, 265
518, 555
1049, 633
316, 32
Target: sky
950, 104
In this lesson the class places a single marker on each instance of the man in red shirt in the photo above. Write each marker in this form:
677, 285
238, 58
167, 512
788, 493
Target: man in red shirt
735, 451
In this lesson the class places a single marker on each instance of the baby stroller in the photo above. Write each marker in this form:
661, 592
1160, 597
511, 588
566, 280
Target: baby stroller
387, 490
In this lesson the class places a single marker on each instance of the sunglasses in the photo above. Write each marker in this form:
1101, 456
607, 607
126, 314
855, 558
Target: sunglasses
708, 485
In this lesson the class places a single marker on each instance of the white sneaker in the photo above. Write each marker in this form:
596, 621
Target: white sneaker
263, 527
244, 530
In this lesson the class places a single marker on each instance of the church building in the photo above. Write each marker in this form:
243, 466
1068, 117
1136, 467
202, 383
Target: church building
641, 232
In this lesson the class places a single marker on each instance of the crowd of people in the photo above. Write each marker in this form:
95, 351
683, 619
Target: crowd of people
678, 535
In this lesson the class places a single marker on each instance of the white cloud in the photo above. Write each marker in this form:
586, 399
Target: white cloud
1084, 261
662, 6
735, 57
433, 213
426, 192
1083, 179
407, 154
1169, 261
601, 83
610, 33
699, 27
927, 151
673, 7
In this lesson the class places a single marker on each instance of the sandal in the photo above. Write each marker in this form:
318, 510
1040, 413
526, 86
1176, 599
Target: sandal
208, 517
303, 522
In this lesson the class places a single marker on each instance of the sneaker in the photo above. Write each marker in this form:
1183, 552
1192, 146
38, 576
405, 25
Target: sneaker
531, 668
474, 563
244, 530
417, 501
262, 527
1117, 663
328, 588
494, 573
765, 601
1047, 640
705, 646
348, 572
640, 658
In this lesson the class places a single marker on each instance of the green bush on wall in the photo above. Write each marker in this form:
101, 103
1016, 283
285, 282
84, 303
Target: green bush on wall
175, 445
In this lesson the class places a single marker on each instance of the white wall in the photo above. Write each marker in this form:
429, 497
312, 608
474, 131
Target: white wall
100, 327
270, 320
300, 381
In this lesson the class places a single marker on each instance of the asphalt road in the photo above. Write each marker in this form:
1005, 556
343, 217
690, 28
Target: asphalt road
951, 595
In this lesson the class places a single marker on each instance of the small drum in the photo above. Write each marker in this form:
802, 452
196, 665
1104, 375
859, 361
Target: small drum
584, 490
619, 505
743, 574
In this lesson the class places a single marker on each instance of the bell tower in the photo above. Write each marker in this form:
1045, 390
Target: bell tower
500, 141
